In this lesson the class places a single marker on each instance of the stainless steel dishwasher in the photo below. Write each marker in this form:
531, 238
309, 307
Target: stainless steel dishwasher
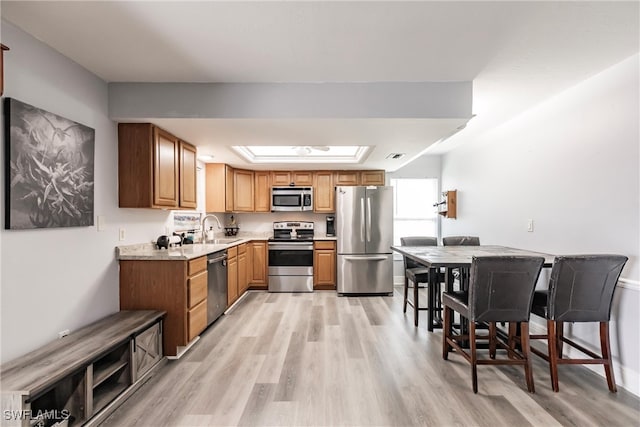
216, 285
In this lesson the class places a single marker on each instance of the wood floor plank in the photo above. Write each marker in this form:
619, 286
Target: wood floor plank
318, 359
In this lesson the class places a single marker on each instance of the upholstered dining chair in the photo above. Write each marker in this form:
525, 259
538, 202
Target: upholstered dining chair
416, 274
581, 289
461, 241
500, 290
461, 274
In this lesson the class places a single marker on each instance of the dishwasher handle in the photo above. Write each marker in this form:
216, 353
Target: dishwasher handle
217, 259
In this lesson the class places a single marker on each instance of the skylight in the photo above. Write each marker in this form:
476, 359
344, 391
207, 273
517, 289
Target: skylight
303, 153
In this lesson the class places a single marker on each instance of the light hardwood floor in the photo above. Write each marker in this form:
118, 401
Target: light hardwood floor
322, 360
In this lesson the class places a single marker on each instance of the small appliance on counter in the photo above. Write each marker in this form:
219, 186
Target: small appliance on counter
331, 226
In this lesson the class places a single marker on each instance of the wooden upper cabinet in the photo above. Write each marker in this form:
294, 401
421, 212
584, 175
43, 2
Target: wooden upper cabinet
262, 189
363, 177
218, 187
324, 192
302, 178
280, 178
287, 178
243, 192
188, 191
346, 178
153, 168
374, 177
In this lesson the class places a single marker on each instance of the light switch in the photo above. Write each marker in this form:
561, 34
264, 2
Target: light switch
102, 223
122, 234
530, 226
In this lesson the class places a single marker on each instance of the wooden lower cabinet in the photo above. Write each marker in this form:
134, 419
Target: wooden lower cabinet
324, 265
243, 281
232, 275
177, 287
257, 264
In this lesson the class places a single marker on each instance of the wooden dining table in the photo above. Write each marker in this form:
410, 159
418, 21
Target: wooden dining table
452, 257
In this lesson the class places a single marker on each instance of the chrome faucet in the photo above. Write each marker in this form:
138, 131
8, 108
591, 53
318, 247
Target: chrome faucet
204, 231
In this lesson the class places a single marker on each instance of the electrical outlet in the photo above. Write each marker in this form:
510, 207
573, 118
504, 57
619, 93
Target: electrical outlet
122, 234
63, 334
530, 226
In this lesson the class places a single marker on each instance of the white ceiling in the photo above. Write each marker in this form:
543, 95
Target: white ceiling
516, 53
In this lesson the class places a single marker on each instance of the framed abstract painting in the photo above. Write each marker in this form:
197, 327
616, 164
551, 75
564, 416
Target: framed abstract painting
49, 169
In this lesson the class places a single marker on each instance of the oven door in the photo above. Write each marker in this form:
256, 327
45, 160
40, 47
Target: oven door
290, 259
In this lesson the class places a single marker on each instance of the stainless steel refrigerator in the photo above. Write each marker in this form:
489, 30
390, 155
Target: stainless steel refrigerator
364, 228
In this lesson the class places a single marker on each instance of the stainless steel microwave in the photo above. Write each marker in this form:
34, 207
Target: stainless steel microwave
294, 199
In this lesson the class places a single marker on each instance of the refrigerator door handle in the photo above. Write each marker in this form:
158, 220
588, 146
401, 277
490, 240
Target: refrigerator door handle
362, 219
366, 258
368, 219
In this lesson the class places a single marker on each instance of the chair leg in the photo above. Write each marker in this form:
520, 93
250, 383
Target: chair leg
492, 340
526, 351
431, 302
606, 355
513, 337
416, 304
406, 294
559, 336
474, 358
553, 356
446, 332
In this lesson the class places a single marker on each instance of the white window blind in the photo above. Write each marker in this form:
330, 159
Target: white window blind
413, 211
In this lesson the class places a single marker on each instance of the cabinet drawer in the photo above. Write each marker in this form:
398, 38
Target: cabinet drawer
232, 252
324, 244
197, 288
197, 320
197, 265
242, 248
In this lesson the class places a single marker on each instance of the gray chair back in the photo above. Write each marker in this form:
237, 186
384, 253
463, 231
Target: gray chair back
581, 287
461, 241
416, 241
501, 288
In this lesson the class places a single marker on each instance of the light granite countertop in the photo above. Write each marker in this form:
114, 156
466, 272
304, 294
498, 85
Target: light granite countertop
148, 251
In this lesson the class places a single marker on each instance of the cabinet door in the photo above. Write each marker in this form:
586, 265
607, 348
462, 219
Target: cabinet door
372, 177
346, 178
148, 350
188, 191
258, 264
324, 192
197, 320
229, 188
302, 178
165, 169
280, 178
262, 191
324, 269
243, 282
243, 191
232, 280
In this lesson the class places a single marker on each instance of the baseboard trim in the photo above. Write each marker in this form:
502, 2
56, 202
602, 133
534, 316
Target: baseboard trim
629, 284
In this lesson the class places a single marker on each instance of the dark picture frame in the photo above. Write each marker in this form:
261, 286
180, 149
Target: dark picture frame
49, 169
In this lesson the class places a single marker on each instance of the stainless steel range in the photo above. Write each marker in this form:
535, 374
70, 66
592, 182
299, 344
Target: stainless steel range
291, 257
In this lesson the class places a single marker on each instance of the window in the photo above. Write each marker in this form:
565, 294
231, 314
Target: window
413, 211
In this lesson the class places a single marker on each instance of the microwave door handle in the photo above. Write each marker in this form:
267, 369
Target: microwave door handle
362, 219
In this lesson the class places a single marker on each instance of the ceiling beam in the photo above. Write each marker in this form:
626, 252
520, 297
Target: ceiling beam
432, 100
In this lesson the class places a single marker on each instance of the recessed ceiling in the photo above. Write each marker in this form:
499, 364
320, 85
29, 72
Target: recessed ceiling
516, 53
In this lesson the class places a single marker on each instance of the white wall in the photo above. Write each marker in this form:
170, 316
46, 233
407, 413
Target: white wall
63, 278
570, 164
423, 167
